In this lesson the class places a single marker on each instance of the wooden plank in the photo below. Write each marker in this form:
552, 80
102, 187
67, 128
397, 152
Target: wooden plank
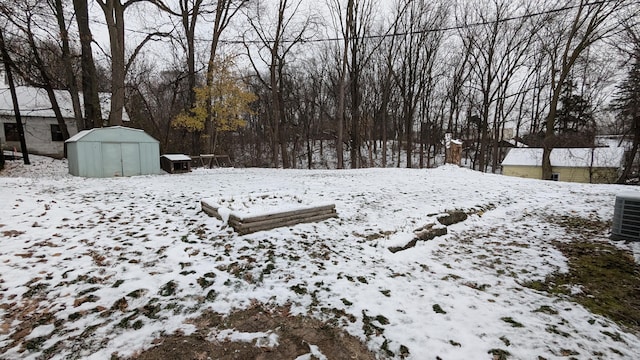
242, 230
281, 219
210, 210
284, 214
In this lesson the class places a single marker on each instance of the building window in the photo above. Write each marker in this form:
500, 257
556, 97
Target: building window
555, 177
11, 132
56, 133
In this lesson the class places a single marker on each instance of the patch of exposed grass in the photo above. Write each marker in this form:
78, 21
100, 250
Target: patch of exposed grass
553, 329
580, 224
608, 277
385, 348
513, 323
368, 327
204, 282
438, 309
614, 336
499, 354
404, 351
299, 289
382, 319
546, 309
168, 289
505, 340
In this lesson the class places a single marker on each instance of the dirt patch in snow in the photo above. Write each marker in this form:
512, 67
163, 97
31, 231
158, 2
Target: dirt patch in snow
258, 333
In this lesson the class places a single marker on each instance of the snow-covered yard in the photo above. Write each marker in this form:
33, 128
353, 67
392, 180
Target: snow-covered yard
95, 267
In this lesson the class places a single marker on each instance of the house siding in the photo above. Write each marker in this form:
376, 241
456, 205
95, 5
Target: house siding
569, 174
530, 172
37, 131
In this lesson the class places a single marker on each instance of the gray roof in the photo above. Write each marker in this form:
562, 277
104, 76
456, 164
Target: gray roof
116, 134
35, 102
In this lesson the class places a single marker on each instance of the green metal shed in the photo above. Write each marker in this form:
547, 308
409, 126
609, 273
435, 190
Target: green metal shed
113, 151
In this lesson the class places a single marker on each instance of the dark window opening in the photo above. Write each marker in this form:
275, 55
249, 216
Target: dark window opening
11, 132
555, 177
56, 133
180, 166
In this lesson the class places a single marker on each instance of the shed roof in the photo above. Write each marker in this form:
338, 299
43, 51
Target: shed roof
177, 157
35, 102
567, 157
118, 134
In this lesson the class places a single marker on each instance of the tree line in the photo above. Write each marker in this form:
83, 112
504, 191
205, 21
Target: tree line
287, 83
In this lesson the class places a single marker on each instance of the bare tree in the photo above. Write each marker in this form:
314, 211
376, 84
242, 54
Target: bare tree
92, 108
224, 13
114, 11
189, 12
276, 37
417, 50
627, 100
337, 11
24, 17
498, 48
58, 9
567, 36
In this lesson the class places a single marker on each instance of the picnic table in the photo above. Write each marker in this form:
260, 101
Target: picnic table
211, 160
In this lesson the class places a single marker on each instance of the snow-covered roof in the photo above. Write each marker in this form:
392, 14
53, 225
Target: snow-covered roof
35, 102
563, 157
517, 143
177, 157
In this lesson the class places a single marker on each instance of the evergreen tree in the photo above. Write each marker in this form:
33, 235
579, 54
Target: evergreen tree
575, 125
627, 106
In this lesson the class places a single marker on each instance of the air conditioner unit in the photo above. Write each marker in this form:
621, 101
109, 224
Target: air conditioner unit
626, 217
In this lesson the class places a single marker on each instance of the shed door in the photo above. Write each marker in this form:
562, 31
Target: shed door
130, 159
121, 159
112, 159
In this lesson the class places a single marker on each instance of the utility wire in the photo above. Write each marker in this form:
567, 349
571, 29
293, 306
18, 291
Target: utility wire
402, 34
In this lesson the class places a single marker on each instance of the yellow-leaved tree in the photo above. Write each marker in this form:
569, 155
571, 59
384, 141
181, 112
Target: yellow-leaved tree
219, 108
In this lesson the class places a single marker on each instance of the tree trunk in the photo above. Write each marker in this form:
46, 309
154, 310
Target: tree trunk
631, 156
92, 108
550, 134
8, 64
47, 83
68, 66
114, 15
341, 111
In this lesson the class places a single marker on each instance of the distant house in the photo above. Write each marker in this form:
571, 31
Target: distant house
42, 131
584, 165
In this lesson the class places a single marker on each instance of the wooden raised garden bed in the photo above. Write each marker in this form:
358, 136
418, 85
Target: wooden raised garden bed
248, 223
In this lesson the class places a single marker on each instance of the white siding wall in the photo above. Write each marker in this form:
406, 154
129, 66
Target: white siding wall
37, 132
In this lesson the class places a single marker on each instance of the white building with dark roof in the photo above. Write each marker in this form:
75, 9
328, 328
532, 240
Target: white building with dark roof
42, 131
